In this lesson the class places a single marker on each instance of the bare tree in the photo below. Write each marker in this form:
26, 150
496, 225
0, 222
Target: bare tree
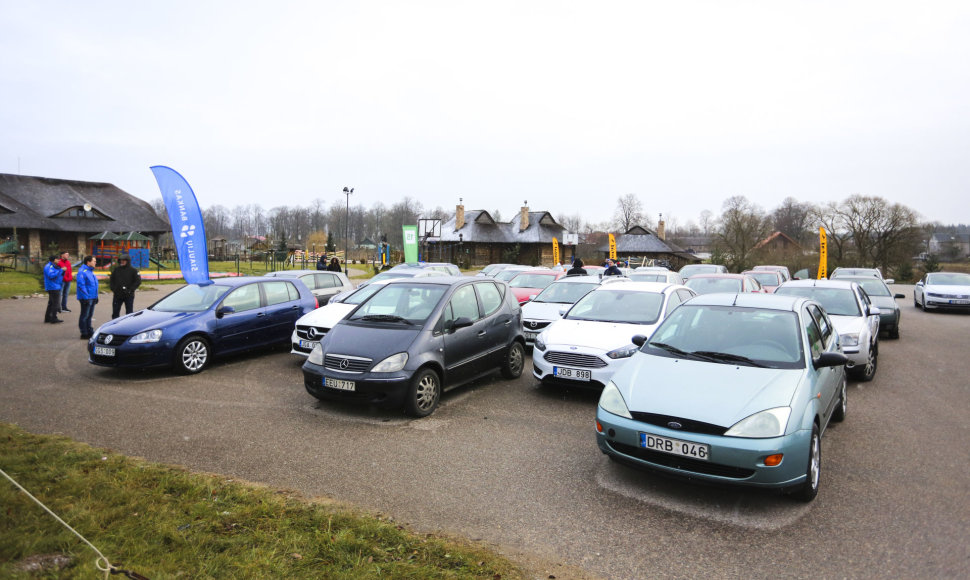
572, 223
743, 224
792, 218
707, 222
629, 212
882, 233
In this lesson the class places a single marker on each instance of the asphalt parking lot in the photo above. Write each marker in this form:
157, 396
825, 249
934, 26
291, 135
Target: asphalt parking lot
516, 466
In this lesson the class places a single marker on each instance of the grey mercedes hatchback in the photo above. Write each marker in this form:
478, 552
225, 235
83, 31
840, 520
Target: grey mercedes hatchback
415, 338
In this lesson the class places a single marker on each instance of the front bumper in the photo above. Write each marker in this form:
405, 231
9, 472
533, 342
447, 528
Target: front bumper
384, 389
127, 355
732, 461
595, 361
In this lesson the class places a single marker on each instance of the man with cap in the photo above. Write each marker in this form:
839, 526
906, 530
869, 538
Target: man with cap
53, 281
124, 281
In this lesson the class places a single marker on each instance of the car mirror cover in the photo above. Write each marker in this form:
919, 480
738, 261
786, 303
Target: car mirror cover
830, 359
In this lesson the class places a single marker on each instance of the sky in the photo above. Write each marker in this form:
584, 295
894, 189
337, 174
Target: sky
565, 105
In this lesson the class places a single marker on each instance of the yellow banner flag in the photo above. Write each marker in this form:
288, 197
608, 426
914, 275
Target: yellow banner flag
555, 252
823, 255
612, 247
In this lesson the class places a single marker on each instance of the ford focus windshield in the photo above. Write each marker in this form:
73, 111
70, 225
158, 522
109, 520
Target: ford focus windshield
192, 298
628, 307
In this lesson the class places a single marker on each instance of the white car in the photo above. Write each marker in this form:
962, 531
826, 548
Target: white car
555, 299
324, 285
663, 275
855, 318
312, 326
595, 337
942, 290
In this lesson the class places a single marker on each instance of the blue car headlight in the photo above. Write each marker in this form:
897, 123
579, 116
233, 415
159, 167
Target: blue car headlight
391, 364
147, 336
612, 401
623, 352
768, 423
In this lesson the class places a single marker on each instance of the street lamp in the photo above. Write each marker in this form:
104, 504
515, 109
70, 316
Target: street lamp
348, 191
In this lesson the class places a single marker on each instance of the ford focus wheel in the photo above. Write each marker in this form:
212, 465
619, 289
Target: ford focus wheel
813, 472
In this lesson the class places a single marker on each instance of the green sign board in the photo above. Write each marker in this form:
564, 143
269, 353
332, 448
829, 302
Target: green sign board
410, 243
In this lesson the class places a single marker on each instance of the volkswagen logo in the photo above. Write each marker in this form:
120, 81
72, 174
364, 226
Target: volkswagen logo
311, 333
344, 363
109, 338
675, 425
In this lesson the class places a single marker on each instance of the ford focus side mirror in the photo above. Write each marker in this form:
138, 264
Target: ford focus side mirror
830, 359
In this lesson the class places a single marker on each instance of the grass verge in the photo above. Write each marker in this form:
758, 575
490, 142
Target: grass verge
163, 522
19, 284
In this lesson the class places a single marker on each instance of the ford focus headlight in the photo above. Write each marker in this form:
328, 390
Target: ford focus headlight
612, 401
768, 423
316, 356
540, 345
623, 352
391, 364
148, 336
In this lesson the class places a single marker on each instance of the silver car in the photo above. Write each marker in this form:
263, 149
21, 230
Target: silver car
323, 284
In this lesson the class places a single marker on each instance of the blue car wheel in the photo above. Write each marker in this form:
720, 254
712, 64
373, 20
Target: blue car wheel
192, 355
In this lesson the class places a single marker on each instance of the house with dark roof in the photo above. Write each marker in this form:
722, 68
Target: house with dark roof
638, 245
947, 246
44, 215
475, 237
778, 242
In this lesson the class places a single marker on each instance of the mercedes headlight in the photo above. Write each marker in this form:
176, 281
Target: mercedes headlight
612, 401
316, 356
148, 336
391, 364
769, 423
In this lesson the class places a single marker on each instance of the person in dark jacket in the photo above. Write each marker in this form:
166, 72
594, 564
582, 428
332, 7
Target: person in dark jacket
124, 281
87, 295
322, 263
577, 269
53, 282
611, 269
334, 265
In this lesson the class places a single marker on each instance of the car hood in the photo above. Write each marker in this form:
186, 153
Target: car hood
590, 334
543, 310
947, 289
145, 320
373, 341
848, 324
326, 316
522, 294
720, 394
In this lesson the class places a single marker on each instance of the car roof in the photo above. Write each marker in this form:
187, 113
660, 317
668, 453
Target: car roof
293, 273
655, 287
750, 300
442, 280
841, 283
721, 275
234, 281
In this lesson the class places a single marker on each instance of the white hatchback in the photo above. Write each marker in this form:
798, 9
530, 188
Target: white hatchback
555, 299
312, 326
595, 337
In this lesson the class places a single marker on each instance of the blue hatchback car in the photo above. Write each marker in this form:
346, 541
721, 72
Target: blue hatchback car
188, 327
731, 389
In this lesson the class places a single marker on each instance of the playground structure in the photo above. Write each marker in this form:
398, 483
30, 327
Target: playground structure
106, 247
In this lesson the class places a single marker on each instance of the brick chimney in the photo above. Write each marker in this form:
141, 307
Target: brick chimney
524, 217
459, 215
662, 229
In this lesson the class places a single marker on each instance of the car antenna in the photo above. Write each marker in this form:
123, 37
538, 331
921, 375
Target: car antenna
735, 299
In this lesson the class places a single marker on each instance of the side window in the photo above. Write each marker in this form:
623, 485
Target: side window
814, 334
276, 292
685, 295
491, 298
866, 303
243, 298
823, 322
673, 301
464, 303
326, 281
310, 281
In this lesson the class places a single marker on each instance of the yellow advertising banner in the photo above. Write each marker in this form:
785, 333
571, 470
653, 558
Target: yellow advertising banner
555, 252
612, 247
823, 255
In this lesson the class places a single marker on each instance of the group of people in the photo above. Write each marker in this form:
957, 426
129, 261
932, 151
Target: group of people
58, 276
333, 266
579, 269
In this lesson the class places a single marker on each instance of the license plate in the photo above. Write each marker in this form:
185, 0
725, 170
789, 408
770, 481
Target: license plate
104, 350
308, 344
531, 335
573, 374
959, 301
339, 384
675, 446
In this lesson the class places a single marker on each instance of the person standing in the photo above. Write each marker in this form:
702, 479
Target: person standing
322, 262
87, 295
65, 264
577, 269
334, 265
53, 281
124, 281
611, 269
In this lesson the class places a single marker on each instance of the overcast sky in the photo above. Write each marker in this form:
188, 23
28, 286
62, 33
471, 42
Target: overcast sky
568, 105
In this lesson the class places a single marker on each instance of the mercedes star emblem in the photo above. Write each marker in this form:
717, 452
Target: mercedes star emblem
344, 363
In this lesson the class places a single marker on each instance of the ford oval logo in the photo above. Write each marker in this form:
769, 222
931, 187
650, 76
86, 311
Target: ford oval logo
344, 363
675, 425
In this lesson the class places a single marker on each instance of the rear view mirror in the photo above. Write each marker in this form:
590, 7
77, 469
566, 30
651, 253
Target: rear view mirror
461, 322
889, 281
639, 340
874, 311
223, 310
830, 359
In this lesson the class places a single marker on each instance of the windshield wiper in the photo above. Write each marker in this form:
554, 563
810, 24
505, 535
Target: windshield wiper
682, 353
724, 356
386, 318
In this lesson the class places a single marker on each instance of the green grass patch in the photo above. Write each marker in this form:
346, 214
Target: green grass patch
19, 284
165, 522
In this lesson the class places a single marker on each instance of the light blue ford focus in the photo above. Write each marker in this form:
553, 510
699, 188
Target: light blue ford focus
733, 389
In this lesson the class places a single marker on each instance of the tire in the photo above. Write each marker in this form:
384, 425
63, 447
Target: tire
813, 471
192, 355
424, 394
514, 361
838, 415
867, 372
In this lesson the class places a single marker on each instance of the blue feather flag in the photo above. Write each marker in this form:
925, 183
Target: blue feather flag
188, 229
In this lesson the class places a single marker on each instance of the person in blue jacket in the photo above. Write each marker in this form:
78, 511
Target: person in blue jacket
87, 295
53, 281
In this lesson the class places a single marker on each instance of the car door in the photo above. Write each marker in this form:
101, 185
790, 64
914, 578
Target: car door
239, 329
498, 324
872, 321
823, 338
464, 348
281, 311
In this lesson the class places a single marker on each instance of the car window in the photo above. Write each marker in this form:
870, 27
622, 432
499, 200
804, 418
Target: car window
685, 295
243, 298
673, 301
814, 334
565, 293
490, 296
824, 324
464, 303
277, 292
835, 301
324, 280
191, 298
621, 306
